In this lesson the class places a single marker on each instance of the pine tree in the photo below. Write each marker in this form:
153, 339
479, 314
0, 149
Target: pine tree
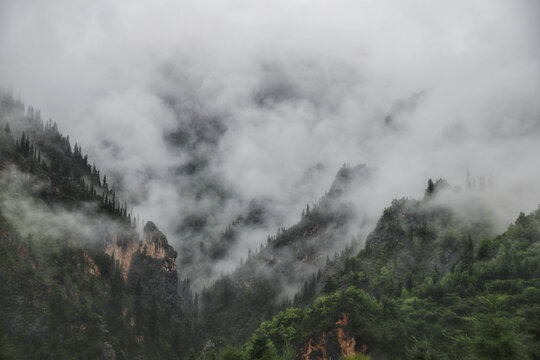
68, 147
468, 257
430, 189
196, 306
22, 143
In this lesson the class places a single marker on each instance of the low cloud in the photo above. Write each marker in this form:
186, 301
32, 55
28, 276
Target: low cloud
34, 219
197, 107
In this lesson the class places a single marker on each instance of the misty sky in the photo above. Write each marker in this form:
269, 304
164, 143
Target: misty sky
415, 89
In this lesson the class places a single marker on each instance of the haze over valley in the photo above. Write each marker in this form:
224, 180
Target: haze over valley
245, 179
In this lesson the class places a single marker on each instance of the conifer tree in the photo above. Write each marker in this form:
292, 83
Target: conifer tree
430, 189
469, 252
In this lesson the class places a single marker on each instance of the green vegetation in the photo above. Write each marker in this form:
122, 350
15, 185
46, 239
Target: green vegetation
61, 295
68, 299
37, 148
236, 304
431, 282
487, 306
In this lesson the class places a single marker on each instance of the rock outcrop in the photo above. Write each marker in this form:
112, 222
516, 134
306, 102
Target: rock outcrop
329, 345
150, 265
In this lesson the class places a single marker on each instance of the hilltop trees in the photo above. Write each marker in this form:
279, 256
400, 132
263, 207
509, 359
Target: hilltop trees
47, 154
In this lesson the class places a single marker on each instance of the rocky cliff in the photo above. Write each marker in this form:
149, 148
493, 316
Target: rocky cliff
149, 265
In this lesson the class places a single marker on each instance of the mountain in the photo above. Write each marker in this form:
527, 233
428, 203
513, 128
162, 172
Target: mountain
77, 279
288, 263
201, 249
429, 284
434, 278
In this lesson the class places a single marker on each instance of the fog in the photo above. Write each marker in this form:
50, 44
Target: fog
33, 219
198, 107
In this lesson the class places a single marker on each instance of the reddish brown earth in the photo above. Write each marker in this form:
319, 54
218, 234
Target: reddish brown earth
331, 345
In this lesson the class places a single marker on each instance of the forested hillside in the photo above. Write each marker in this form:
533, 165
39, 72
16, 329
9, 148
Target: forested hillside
286, 270
77, 280
269, 180
426, 286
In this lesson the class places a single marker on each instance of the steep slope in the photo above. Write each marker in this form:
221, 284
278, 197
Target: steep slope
76, 278
412, 239
236, 304
36, 148
200, 252
428, 285
151, 255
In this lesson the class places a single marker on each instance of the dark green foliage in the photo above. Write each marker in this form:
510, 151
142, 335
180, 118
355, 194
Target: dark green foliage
235, 305
77, 305
430, 283
243, 305
495, 336
483, 308
61, 295
430, 188
38, 148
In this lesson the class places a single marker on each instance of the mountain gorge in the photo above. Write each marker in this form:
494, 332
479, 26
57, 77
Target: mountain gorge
81, 278
269, 180
286, 269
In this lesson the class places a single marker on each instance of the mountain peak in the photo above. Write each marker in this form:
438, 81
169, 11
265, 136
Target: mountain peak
347, 175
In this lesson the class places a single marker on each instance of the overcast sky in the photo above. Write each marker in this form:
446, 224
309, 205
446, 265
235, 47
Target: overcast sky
415, 89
